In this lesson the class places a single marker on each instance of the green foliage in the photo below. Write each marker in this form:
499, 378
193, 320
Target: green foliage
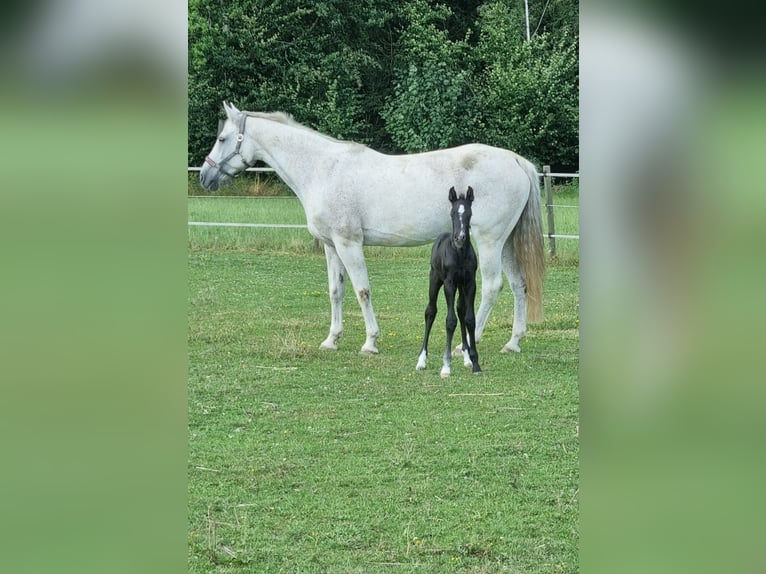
418, 76
316, 62
430, 106
530, 91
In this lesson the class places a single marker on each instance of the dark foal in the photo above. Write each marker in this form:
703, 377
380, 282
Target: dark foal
453, 264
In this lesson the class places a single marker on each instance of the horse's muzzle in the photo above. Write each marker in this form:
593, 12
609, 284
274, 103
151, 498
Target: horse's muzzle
208, 177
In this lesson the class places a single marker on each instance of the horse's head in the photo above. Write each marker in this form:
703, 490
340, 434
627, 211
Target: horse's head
231, 154
461, 216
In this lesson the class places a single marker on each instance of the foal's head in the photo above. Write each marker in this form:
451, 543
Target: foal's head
461, 216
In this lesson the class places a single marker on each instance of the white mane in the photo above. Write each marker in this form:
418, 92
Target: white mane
287, 119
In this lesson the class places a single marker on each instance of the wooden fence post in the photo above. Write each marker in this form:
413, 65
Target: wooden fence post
549, 207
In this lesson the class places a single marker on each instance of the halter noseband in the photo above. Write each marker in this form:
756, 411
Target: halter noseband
224, 162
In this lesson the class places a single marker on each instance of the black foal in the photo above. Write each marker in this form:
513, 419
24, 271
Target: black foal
453, 264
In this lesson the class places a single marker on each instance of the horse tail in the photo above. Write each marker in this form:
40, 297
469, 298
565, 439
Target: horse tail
527, 243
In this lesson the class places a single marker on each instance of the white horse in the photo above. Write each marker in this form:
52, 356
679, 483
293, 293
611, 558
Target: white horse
355, 196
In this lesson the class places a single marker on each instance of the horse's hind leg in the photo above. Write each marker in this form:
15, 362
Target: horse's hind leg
434, 285
491, 284
352, 256
336, 277
518, 286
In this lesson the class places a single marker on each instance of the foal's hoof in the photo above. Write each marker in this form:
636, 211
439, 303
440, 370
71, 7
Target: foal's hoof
328, 346
458, 351
511, 348
369, 350
421, 366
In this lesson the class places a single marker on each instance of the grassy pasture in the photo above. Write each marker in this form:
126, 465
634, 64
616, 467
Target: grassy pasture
309, 461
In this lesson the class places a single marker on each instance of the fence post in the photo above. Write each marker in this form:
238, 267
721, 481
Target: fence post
549, 207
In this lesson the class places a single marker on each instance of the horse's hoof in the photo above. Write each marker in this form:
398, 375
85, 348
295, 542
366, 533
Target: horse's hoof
458, 351
325, 346
445, 372
509, 348
369, 350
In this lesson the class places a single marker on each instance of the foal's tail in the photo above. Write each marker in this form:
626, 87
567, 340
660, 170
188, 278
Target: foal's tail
527, 238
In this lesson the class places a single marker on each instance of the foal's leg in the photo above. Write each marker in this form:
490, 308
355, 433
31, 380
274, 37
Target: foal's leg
519, 288
352, 256
461, 315
336, 277
470, 326
434, 285
449, 295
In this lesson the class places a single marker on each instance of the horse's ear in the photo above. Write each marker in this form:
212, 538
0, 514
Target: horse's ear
469, 195
230, 109
452, 195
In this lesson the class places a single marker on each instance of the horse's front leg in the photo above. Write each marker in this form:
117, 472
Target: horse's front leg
434, 285
469, 322
466, 342
451, 323
352, 256
336, 278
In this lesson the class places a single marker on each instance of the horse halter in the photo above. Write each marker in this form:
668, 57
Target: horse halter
224, 162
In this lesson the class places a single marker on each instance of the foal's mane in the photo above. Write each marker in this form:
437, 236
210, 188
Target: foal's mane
288, 120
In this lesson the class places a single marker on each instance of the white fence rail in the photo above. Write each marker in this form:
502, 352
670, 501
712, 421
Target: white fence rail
246, 169
274, 225
546, 174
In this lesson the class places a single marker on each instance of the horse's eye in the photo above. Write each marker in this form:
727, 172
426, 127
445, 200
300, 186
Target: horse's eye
221, 138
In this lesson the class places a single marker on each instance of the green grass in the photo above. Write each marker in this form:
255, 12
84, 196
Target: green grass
248, 184
267, 210
308, 461
566, 221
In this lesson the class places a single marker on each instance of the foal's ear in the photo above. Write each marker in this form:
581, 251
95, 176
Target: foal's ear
452, 195
469, 195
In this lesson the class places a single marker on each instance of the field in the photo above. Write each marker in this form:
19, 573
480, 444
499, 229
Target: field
308, 461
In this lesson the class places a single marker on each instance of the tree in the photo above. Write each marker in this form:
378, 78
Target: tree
430, 106
319, 61
435, 73
529, 90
